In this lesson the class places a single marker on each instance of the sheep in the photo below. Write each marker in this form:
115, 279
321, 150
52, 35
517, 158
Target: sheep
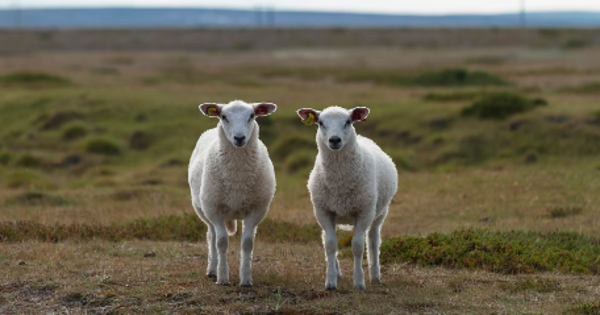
231, 178
352, 183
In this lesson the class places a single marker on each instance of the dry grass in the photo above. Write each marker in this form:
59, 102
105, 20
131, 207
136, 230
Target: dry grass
104, 277
541, 177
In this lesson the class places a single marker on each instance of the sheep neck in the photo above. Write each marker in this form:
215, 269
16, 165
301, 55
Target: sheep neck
340, 163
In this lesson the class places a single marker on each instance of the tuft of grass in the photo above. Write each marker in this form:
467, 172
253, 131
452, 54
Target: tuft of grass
5, 158
503, 252
584, 309
284, 146
36, 79
187, 227
541, 285
588, 88
456, 96
38, 198
26, 179
501, 105
299, 161
444, 78
140, 140
60, 118
73, 131
562, 212
29, 161
101, 145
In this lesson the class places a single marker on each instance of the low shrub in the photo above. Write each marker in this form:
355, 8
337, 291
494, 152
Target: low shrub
74, 131
104, 146
28, 160
33, 79
60, 118
140, 140
562, 212
501, 105
38, 198
451, 97
5, 158
456, 77
504, 252
285, 145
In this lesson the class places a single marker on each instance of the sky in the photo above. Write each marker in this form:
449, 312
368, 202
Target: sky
370, 6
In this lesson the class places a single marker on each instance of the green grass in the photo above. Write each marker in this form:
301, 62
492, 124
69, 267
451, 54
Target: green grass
587, 88
505, 252
102, 145
443, 78
501, 105
34, 79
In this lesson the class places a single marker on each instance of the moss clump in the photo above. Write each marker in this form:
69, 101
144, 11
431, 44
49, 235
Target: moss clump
28, 160
284, 146
140, 140
501, 105
504, 252
33, 79
104, 146
73, 131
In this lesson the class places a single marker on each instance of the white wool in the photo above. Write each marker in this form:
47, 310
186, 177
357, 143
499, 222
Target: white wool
352, 185
230, 182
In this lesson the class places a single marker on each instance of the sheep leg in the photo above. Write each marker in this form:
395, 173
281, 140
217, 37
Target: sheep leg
222, 242
213, 261
338, 268
373, 244
327, 223
358, 249
250, 224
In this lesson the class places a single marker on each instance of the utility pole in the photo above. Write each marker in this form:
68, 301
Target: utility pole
523, 14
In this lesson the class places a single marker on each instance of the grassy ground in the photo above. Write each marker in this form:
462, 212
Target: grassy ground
103, 138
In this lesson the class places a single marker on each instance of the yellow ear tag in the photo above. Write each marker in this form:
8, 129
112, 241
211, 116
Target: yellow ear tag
211, 111
309, 120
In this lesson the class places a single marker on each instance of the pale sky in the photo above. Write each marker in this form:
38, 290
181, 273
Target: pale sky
376, 6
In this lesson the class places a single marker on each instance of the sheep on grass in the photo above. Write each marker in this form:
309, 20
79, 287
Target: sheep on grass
231, 178
352, 183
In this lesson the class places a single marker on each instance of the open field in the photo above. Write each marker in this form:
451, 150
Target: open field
102, 137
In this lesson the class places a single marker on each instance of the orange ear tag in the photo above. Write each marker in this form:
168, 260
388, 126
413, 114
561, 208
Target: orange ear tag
211, 110
309, 120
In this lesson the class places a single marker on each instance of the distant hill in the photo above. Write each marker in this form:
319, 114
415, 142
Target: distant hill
218, 18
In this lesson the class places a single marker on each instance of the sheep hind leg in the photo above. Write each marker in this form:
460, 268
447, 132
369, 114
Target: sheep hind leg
373, 244
338, 268
247, 244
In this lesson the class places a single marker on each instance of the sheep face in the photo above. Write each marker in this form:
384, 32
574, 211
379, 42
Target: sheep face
335, 124
237, 118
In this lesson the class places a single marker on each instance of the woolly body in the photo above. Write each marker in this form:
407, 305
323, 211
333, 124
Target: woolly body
231, 181
352, 183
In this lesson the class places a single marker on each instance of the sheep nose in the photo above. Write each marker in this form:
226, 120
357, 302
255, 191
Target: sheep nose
335, 140
239, 139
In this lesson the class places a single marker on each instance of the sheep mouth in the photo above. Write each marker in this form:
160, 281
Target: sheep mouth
239, 145
334, 147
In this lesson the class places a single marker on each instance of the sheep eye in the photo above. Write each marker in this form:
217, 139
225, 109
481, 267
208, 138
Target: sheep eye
320, 124
224, 118
251, 117
347, 123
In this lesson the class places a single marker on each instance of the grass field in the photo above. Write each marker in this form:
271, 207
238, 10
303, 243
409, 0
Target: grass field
499, 138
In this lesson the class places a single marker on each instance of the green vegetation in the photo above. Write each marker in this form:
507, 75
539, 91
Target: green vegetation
33, 79
451, 96
587, 88
101, 145
584, 309
443, 78
74, 131
187, 227
501, 105
28, 160
561, 212
505, 252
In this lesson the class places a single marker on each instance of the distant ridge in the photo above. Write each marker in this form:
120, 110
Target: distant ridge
225, 18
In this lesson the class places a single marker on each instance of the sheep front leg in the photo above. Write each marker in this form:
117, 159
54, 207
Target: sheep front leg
222, 242
327, 223
250, 224
213, 261
358, 249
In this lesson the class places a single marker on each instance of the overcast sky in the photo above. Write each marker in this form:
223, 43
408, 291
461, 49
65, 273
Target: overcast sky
378, 6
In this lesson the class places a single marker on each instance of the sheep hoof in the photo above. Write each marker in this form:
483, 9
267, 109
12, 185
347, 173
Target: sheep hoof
212, 275
247, 284
330, 287
360, 287
223, 283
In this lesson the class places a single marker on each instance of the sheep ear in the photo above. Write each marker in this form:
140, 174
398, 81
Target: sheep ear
359, 114
264, 109
308, 115
211, 109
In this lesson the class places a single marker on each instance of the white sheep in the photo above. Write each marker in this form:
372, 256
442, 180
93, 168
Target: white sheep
231, 178
352, 183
